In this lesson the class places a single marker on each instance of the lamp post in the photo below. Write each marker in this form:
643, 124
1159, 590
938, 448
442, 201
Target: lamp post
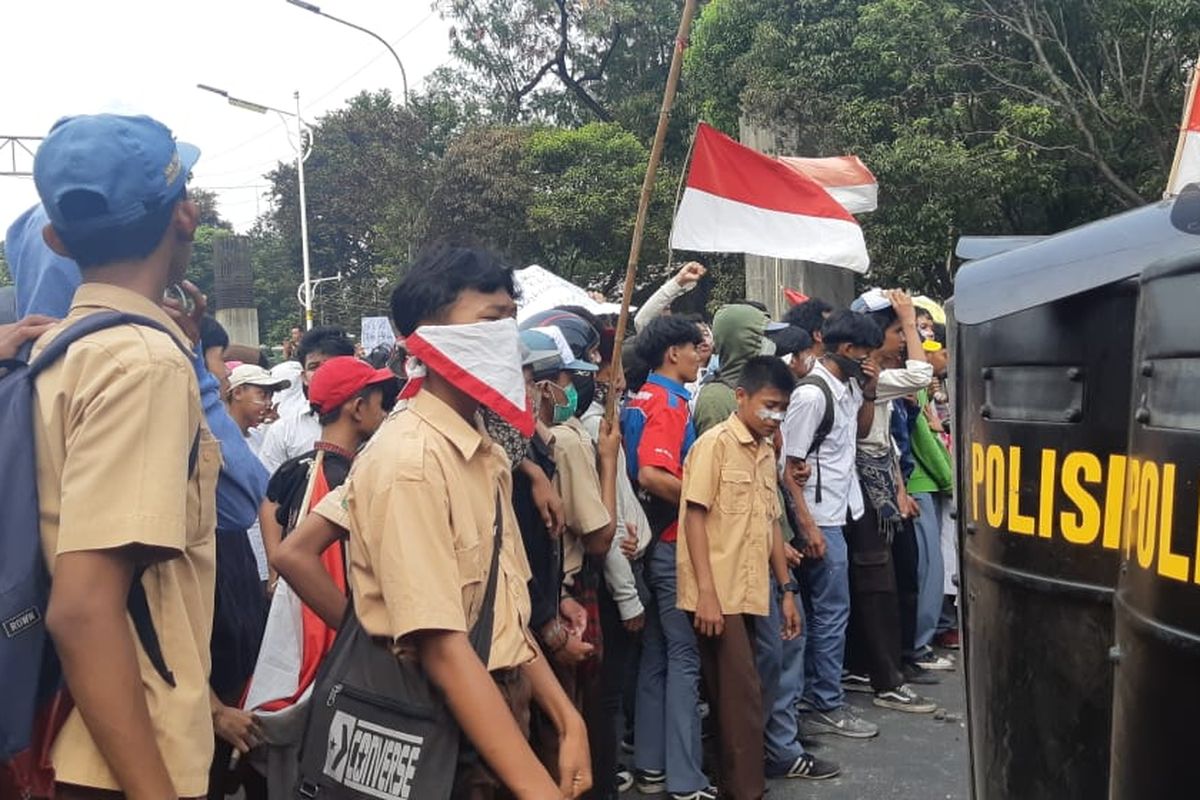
315, 9
301, 155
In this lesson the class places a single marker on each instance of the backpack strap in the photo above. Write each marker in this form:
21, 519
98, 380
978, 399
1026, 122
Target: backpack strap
823, 427
137, 603
90, 324
481, 632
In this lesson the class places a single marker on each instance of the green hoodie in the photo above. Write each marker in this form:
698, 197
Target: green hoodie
737, 337
931, 471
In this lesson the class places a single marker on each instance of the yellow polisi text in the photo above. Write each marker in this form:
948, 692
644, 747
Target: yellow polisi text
1113, 503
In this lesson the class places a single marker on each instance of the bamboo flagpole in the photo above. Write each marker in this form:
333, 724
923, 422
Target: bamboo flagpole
1188, 105
635, 247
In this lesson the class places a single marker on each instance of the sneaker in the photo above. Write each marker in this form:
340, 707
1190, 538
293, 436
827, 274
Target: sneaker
704, 710
947, 639
913, 674
707, 793
933, 661
810, 767
624, 780
650, 781
852, 682
903, 698
627, 745
840, 721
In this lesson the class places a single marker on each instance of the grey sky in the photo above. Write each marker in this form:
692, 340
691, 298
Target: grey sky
146, 56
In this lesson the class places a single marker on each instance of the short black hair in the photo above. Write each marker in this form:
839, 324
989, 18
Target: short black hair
939, 334
439, 276
212, 334
324, 339
849, 327
662, 334
763, 371
809, 315
136, 240
884, 318
792, 339
365, 393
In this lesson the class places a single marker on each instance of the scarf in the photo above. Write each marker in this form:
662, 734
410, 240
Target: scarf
879, 488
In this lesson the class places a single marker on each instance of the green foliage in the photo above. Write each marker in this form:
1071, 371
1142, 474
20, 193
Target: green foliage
5, 275
976, 116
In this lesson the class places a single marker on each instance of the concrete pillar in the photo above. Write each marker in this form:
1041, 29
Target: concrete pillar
766, 278
233, 287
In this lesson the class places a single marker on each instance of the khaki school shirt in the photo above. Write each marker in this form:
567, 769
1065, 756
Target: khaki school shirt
731, 474
578, 483
420, 502
114, 423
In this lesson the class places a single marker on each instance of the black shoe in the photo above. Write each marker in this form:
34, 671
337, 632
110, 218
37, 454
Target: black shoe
650, 781
707, 793
624, 780
914, 674
812, 768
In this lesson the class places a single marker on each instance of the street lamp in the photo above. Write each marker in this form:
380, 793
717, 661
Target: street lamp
301, 155
317, 10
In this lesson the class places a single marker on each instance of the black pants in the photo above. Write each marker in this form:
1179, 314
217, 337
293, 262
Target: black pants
605, 708
904, 557
874, 637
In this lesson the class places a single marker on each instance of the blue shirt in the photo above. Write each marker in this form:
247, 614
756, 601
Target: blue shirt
46, 283
656, 426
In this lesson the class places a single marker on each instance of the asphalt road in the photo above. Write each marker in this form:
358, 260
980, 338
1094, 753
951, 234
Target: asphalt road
915, 756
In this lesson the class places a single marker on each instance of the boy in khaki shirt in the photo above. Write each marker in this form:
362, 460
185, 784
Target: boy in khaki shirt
118, 422
729, 536
419, 505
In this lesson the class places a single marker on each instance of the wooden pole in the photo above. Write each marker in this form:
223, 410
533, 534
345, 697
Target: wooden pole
1183, 131
635, 247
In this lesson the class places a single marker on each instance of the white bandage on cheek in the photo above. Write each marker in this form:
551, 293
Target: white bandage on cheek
773, 416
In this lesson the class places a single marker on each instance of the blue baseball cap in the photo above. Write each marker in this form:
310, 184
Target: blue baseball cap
102, 171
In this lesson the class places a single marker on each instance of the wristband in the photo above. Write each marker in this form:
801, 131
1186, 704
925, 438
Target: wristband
790, 586
870, 397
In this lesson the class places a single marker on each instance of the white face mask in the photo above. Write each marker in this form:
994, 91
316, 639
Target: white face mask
482, 359
767, 415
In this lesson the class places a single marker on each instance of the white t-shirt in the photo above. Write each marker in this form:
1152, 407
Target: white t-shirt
840, 490
287, 437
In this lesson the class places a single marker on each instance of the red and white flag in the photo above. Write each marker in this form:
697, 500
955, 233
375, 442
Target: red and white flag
738, 200
846, 178
1187, 154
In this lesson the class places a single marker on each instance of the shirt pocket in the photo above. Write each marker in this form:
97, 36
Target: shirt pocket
736, 489
203, 489
768, 492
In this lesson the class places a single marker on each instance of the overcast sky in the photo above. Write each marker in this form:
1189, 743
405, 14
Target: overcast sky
64, 57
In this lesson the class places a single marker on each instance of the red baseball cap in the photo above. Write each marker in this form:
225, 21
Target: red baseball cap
342, 377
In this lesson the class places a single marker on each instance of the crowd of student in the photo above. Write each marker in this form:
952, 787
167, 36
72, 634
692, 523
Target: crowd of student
689, 590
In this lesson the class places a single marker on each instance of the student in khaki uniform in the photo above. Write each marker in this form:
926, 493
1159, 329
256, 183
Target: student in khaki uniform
419, 504
729, 539
116, 421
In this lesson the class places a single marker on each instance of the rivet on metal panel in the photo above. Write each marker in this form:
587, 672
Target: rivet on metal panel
1114, 653
987, 373
1142, 415
1147, 368
1073, 415
985, 411
1074, 374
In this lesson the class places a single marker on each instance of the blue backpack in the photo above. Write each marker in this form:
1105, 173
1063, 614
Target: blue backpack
31, 673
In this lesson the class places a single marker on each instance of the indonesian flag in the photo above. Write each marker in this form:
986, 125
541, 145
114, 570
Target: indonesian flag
846, 178
482, 360
1187, 154
295, 640
738, 200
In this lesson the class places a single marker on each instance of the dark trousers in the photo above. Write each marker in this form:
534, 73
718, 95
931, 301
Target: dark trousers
473, 778
223, 781
735, 693
873, 642
904, 558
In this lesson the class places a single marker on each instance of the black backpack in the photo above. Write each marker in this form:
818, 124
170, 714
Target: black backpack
819, 436
32, 674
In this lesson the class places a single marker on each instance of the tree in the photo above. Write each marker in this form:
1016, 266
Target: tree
977, 116
5, 275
